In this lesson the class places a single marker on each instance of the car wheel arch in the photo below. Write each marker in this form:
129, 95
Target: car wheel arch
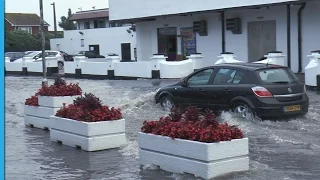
236, 100
165, 93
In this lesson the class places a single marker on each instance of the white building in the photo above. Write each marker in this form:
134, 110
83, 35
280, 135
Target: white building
166, 26
95, 33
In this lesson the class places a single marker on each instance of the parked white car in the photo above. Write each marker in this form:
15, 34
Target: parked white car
37, 56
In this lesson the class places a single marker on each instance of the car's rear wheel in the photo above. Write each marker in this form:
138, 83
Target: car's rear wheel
242, 110
60, 66
166, 102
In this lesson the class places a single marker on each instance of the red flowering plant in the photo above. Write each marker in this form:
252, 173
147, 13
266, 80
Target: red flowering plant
60, 88
32, 101
192, 125
88, 108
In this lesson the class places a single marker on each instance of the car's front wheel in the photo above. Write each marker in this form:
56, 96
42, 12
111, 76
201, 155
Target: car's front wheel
243, 110
166, 102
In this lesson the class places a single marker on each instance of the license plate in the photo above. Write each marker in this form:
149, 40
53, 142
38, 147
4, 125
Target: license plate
292, 108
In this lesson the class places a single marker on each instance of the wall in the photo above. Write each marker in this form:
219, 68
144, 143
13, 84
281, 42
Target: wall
133, 69
210, 46
91, 21
14, 66
146, 8
95, 68
108, 39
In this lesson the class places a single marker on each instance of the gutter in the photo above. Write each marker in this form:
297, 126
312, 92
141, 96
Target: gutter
303, 5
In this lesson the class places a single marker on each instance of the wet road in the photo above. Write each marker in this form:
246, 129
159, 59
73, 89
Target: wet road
278, 150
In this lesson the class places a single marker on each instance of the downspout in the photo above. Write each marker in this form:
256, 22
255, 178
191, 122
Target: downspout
223, 32
289, 35
303, 5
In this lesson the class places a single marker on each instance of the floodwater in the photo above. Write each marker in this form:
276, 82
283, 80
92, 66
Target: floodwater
278, 150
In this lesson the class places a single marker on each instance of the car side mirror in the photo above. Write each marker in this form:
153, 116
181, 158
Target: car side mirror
184, 83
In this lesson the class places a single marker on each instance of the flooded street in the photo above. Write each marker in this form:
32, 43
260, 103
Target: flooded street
278, 150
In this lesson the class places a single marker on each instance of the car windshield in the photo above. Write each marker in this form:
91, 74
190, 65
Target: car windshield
277, 76
31, 54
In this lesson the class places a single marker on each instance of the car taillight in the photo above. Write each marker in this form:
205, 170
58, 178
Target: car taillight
261, 91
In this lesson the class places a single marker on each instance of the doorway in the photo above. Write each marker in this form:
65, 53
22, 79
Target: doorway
167, 42
94, 48
261, 39
126, 51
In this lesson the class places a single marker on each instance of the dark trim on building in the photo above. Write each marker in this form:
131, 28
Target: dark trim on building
289, 35
303, 5
223, 32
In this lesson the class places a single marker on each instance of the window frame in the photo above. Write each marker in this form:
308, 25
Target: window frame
195, 73
84, 24
235, 70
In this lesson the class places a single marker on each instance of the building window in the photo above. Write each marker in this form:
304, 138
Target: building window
102, 24
82, 42
87, 25
95, 23
78, 24
28, 29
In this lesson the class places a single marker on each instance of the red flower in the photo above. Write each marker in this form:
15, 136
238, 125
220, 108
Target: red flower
32, 101
191, 125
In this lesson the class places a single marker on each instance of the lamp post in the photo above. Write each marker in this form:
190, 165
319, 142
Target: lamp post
54, 18
44, 69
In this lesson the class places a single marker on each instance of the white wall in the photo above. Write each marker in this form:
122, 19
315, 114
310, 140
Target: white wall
133, 69
95, 68
173, 70
210, 46
14, 66
108, 39
145, 8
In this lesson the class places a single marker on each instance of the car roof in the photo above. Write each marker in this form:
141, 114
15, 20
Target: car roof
248, 66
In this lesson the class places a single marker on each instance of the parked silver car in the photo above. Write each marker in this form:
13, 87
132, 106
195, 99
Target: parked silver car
37, 56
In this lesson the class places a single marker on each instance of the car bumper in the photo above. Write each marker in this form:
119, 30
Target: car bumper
279, 111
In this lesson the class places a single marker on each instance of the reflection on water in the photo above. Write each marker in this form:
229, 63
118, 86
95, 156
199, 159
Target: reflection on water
278, 150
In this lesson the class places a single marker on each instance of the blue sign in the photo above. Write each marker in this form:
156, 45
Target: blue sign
188, 41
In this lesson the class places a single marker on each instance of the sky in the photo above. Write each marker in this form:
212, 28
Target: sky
62, 6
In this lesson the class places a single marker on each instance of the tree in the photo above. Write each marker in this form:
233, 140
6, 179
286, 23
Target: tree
21, 41
65, 22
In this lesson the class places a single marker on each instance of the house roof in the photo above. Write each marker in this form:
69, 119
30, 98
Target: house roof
98, 13
23, 19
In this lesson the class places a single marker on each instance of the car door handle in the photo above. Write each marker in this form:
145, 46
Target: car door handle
227, 90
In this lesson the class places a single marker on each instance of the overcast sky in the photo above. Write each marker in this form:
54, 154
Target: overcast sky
32, 6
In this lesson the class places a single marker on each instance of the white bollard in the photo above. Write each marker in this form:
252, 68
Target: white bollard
7, 59
312, 69
78, 60
156, 59
197, 59
112, 59
25, 60
227, 57
276, 58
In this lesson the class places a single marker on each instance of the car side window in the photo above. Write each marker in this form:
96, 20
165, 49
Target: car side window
200, 78
239, 77
224, 76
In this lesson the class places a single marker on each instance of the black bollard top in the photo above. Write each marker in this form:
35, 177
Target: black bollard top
275, 52
316, 51
226, 53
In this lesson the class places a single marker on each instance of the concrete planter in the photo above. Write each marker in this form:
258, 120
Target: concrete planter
37, 116
89, 136
205, 160
55, 101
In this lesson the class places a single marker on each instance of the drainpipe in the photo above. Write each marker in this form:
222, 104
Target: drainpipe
303, 5
289, 34
223, 32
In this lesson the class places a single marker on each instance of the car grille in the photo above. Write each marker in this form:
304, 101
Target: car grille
289, 99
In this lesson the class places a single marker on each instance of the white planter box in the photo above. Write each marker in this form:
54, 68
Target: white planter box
37, 122
206, 160
55, 101
90, 136
38, 111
